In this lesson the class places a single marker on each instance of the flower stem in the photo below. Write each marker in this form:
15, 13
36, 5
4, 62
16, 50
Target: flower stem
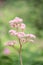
20, 53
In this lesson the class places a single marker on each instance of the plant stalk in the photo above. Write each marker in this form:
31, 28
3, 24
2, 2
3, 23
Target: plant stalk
20, 53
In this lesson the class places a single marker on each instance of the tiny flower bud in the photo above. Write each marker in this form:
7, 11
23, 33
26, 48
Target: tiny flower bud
22, 26
18, 20
30, 36
20, 34
9, 43
12, 32
10, 22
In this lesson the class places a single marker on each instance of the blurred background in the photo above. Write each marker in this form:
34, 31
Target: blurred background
32, 13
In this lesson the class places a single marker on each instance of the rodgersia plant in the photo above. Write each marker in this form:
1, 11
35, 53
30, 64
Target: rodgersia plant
17, 23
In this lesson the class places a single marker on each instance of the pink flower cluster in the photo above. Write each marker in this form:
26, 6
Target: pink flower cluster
27, 38
17, 23
21, 34
10, 43
12, 32
24, 38
30, 37
18, 34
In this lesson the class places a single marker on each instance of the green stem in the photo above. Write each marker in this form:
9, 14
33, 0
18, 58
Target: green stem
20, 53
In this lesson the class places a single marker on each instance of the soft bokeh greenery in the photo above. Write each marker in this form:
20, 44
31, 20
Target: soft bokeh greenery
32, 13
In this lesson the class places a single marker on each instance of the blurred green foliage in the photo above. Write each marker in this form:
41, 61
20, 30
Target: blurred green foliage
32, 13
